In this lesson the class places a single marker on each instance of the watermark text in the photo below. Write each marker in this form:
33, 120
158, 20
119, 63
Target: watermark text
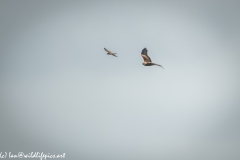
39, 155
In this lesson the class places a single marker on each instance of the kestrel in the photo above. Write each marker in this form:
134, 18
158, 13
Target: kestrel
110, 53
147, 60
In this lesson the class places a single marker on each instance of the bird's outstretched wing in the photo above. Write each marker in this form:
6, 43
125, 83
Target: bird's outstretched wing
107, 50
145, 55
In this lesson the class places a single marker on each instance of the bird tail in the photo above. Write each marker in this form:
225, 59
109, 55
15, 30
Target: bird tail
114, 54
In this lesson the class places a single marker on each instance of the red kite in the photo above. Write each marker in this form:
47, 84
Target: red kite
147, 60
110, 53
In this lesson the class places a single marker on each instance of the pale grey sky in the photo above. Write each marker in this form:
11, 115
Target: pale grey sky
60, 91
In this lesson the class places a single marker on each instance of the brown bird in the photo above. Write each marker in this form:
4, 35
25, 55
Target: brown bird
110, 53
147, 60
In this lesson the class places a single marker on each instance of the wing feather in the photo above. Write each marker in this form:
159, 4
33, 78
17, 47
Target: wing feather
107, 50
145, 56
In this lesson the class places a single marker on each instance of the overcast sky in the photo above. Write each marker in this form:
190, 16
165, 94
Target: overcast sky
61, 93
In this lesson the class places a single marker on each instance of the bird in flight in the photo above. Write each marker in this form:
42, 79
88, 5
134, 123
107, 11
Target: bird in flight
147, 60
110, 53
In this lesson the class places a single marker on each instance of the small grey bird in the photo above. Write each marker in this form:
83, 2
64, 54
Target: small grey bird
147, 60
110, 53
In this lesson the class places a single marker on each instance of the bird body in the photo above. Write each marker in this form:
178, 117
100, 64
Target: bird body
110, 53
147, 59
